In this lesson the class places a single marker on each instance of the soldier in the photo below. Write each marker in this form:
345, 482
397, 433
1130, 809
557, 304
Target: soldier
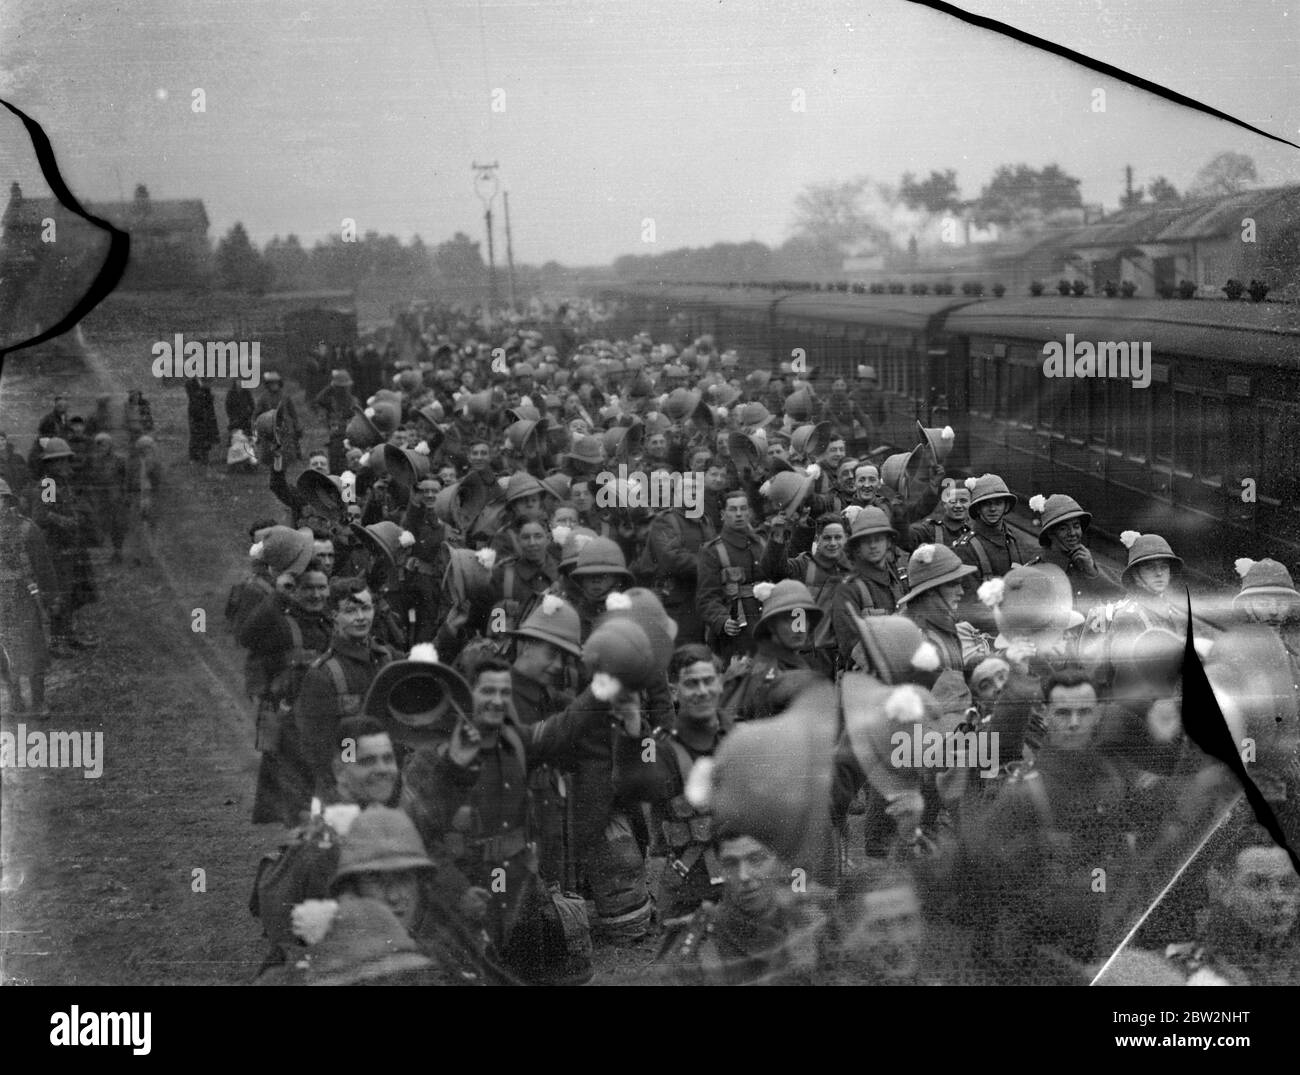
1151, 567
284, 635
1033, 608
730, 564
673, 546
240, 404
875, 585
336, 682
934, 575
366, 775
1062, 526
56, 423
878, 932
427, 560
757, 933
272, 397
599, 569
692, 873
27, 583
67, 522
950, 524
202, 412
822, 569
466, 785
518, 582
990, 546
1053, 826
14, 471
338, 404
106, 485
1246, 934
550, 634
782, 659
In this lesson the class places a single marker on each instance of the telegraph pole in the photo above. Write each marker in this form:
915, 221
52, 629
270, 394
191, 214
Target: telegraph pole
510, 255
485, 185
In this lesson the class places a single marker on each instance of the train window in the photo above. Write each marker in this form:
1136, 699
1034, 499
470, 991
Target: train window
1187, 433
1214, 438
1023, 397
1162, 418
1098, 410
1280, 451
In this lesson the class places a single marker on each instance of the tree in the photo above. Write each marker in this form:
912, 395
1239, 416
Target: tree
1226, 173
937, 194
459, 262
830, 217
1163, 192
1020, 196
288, 263
239, 266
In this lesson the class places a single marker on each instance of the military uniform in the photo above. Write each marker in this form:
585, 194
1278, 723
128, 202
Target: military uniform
284, 641
1088, 590
1228, 953
518, 584
752, 689
937, 530
674, 543
721, 945
477, 817
871, 590
424, 568
334, 687
730, 564
992, 551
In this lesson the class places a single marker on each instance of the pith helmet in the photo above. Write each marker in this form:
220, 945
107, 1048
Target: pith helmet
365, 942
893, 470
788, 490
1264, 578
799, 404
1054, 510
284, 550
1031, 598
787, 596
579, 538
619, 656
385, 538
522, 484
870, 520
939, 440
405, 467
587, 450
989, 487
644, 608
930, 566
753, 414
380, 840
418, 700
896, 650
601, 556
556, 621
54, 448
1143, 549
321, 492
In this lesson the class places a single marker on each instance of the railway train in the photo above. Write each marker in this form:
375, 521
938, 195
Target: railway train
1207, 454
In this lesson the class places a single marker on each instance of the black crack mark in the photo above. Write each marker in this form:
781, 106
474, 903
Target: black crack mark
1204, 722
119, 249
1083, 60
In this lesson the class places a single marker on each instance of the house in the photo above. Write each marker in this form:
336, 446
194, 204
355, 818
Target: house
169, 238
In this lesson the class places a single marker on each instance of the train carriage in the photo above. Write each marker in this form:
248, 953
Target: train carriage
1206, 453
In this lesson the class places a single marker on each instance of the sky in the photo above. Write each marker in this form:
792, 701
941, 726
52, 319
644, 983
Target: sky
614, 112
